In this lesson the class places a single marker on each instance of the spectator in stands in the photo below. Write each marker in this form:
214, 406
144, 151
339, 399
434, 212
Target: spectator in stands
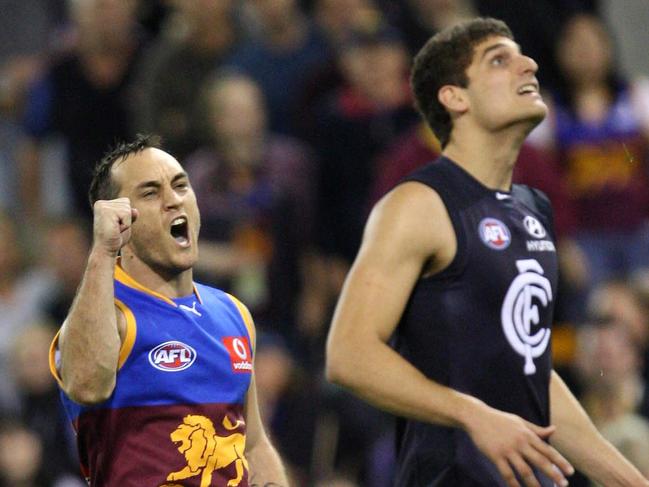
40, 406
255, 191
280, 60
354, 124
26, 33
83, 98
199, 36
419, 20
626, 304
21, 455
599, 128
609, 368
22, 294
65, 247
338, 18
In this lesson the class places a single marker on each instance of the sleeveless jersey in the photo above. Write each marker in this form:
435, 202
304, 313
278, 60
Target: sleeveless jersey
482, 325
176, 416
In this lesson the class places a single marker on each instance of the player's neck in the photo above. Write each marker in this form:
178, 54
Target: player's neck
165, 282
488, 157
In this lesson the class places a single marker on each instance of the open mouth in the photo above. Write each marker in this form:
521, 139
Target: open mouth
180, 231
529, 89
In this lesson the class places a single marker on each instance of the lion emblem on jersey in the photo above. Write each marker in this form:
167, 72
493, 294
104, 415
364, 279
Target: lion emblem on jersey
206, 452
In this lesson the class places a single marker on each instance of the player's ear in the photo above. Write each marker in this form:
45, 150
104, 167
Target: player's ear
453, 98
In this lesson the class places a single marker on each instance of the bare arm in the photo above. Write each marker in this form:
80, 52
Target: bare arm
266, 468
90, 337
370, 305
579, 440
405, 230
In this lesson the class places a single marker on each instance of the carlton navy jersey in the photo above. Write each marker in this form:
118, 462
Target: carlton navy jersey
176, 416
481, 326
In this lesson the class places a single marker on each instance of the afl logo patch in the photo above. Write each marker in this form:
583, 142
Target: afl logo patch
534, 227
494, 234
172, 356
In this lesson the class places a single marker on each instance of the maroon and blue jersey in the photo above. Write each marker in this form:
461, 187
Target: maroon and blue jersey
176, 416
481, 326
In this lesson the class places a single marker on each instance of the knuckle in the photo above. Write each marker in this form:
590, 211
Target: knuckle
509, 476
521, 443
544, 464
526, 472
507, 451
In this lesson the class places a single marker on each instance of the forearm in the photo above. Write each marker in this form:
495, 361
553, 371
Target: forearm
90, 341
266, 468
378, 374
578, 439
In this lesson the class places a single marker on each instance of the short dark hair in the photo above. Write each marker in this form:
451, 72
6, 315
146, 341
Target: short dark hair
102, 186
444, 60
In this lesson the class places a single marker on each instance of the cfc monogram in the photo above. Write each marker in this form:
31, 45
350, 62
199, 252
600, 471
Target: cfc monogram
520, 312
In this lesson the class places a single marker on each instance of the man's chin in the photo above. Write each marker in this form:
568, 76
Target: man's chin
540, 111
534, 118
185, 263
177, 264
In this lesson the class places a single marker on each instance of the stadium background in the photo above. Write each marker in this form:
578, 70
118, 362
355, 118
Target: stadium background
292, 118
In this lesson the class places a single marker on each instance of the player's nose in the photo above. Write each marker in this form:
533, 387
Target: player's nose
528, 65
172, 199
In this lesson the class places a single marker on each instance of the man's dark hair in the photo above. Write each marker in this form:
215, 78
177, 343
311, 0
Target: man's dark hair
102, 186
444, 60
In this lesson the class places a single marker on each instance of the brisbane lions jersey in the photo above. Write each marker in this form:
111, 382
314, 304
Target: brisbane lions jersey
176, 416
482, 325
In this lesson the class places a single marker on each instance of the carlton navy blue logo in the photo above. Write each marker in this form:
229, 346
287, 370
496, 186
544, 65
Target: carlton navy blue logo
494, 233
521, 312
172, 356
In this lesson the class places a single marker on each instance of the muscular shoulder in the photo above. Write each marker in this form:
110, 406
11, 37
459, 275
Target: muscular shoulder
413, 219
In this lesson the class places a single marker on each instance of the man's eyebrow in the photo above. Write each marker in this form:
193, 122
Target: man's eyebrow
496, 46
180, 175
156, 184
148, 184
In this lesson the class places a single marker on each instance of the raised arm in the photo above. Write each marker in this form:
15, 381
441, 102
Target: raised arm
410, 233
578, 439
90, 338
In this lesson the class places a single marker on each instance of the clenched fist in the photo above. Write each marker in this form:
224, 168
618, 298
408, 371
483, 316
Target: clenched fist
112, 224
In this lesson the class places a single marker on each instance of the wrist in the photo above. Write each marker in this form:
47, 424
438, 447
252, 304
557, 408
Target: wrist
101, 256
468, 410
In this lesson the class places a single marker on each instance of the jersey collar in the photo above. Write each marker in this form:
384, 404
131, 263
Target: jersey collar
122, 277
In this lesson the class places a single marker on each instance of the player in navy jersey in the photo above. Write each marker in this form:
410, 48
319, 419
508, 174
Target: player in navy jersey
156, 370
459, 266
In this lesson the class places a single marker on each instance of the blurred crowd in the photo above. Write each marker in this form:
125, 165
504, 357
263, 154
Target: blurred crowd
292, 118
